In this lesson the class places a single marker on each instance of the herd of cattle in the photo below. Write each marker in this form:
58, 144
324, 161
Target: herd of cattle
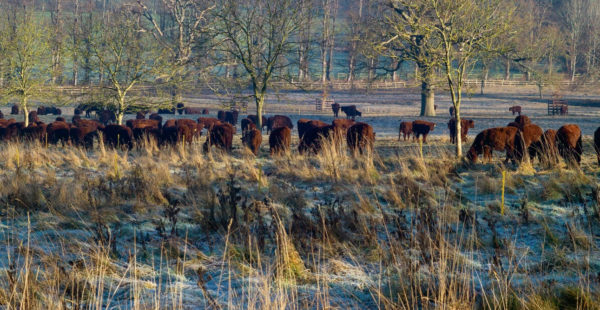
219, 131
519, 138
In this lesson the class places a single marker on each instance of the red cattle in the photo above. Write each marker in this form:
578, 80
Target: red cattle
208, 122
278, 121
145, 128
569, 143
498, 139
304, 125
279, 140
361, 138
33, 117
190, 110
254, 119
515, 109
252, 139
156, 117
465, 124
528, 139
313, 139
247, 124
117, 136
423, 128
341, 126
140, 115
220, 136
351, 111
83, 132
58, 132
405, 130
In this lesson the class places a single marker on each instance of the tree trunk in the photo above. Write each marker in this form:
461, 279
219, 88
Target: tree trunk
507, 70
25, 111
573, 66
427, 95
484, 78
458, 131
260, 101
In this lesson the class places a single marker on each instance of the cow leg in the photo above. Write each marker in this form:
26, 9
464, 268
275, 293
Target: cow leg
424, 138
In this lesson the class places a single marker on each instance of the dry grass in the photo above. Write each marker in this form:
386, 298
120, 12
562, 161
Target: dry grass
174, 228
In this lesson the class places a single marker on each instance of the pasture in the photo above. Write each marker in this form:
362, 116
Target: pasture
404, 226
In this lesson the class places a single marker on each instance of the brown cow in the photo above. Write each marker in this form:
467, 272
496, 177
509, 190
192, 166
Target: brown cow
118, 136
140, 115
278, 121
405, 130
33, 117
84, 131
252, 139
14, 110
515, 109
4, 131
341, 126
254, 119
465, 124
423, 128
499, 139
569, 143
145, 128
36, 131
313, 139
304, 125
360, 137
58, 132
190, 110
221, 136
208, 122
156, 117
545, 150
522, 120
279, 140
528, 139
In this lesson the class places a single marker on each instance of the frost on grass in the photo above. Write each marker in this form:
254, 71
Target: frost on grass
177, 228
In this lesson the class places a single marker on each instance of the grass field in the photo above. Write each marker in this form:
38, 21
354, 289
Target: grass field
178, 229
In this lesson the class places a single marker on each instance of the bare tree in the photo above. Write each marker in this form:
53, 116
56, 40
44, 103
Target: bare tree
305, 39
25, 44
414, 38
257, 34
183, 30
127, 57
327, 45
573, 19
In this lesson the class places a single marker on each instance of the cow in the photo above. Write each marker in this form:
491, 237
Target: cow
83, 132
33, 117
360, 138
156, 117
545, 149
205, 112
335, 107
140, 115
451, 110
252, 139
190, 111
221, 115
231, 117
422, 128
278, 121
41, 110
405, 130
145, 128
117, 136
279, 140
465, 124
107, 116
305, 125
60, 119
569, 144
1, 115
180, 108
515, 109
220, 136
247, 124
208, 122
342, 125
58, 132
528, 140
313, 139
14, 110
5, 132
36, 131
498, 139
254, 119
351, 111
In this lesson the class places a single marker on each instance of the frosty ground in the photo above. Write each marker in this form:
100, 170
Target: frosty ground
175, 228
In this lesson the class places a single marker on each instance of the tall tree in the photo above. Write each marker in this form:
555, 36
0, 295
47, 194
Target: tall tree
413, 36
25, 43
257, 34
126, 56
183, 30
